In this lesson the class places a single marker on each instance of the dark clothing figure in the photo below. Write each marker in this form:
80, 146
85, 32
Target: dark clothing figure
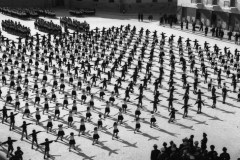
141, 17
201, 26
155, 153
19, 154
206, 30
181, 25
47, 148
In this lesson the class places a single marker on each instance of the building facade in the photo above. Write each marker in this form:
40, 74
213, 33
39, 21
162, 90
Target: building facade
218, 13
146, 6
129, 6
31, 3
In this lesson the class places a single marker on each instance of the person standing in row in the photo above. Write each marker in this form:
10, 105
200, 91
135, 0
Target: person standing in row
47, 148
10, 146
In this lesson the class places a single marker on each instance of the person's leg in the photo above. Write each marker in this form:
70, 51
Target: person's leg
8, 152
3, 118
113, 135
32, 143
57, 138
48, 155
10, 126
11, 150
22, 135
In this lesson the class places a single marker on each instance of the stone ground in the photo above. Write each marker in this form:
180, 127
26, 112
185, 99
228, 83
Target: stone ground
221, 124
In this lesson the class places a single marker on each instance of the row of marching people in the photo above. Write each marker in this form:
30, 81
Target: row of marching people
86, 55
15, 28
82, 12
74, 24
48, 27
22, 13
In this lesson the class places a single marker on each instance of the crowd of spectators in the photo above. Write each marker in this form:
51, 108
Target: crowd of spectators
188, 150
168, 19
216, 31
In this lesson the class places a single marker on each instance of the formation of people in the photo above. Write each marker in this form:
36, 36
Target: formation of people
82, 12
27, 13
105, 58
45, 12
74, 24
47, 26
22, 13
15, 28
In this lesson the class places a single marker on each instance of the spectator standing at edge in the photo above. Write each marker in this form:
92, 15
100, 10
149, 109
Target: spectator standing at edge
155, 152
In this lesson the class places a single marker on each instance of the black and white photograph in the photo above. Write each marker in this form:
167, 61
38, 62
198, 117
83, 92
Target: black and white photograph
119, 80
